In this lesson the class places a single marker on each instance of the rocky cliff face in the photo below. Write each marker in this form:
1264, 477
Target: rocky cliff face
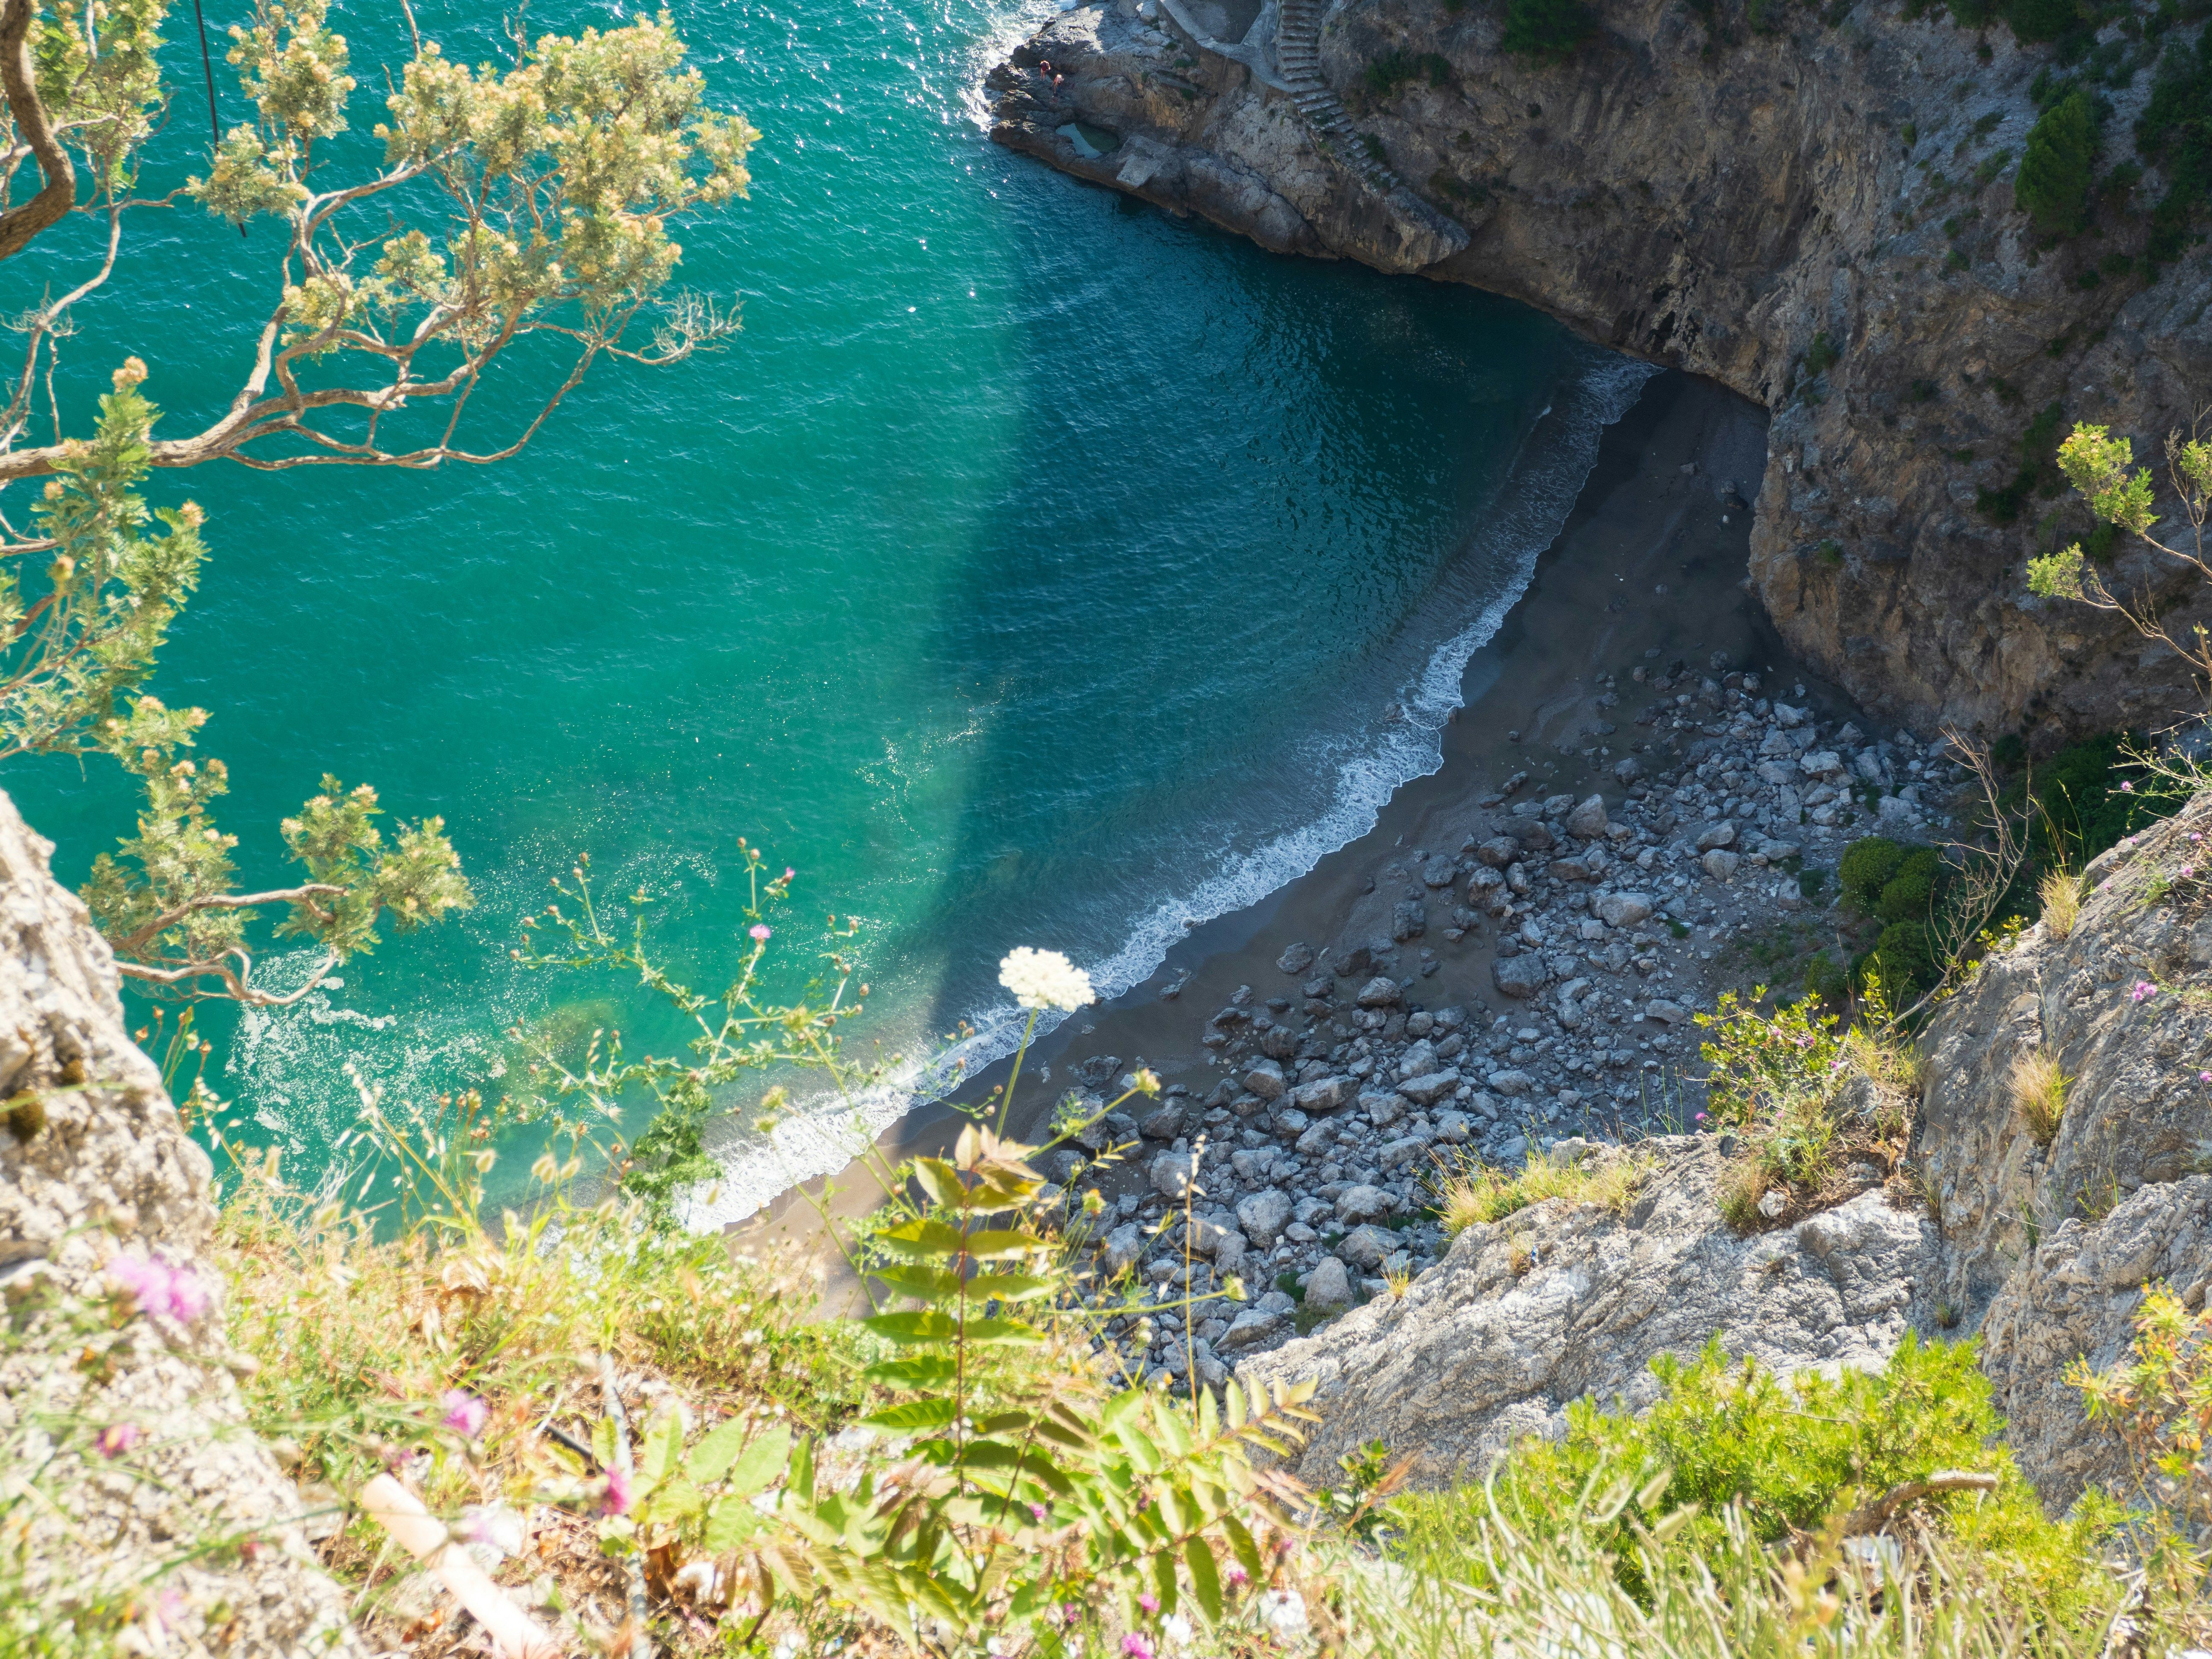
1820, 218
2043, 1248
136, 1496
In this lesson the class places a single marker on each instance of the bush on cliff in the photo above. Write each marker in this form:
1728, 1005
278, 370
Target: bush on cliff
1549, 31
2053, 186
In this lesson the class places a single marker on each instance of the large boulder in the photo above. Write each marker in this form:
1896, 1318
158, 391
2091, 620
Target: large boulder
1264, 1215
99, 1180
1562, 1301
1519, 977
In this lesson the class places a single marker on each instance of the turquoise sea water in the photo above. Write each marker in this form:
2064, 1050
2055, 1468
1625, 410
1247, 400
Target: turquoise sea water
1036, 568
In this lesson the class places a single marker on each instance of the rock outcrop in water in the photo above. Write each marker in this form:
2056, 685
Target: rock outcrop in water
141, 1495
2044, 1249
1820, 218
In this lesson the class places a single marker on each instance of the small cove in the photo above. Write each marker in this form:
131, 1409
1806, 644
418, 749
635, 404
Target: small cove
1034, 569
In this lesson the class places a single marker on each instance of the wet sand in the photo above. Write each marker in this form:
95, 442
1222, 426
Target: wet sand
1650, 567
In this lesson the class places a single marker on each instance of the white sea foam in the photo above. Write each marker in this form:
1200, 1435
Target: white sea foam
1369, 766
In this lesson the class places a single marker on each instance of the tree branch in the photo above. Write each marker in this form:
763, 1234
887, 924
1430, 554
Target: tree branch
171, 917
234, 979
1875, 1516
20, 77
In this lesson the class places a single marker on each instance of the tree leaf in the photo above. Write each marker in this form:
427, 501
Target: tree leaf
923, 1372
926, 1240
664, 1442
763, 1461
1205, 1577
940, 1181
710, 1459
1163, 1575
915, 1414
1240, 1542
730, 1522
921, 1325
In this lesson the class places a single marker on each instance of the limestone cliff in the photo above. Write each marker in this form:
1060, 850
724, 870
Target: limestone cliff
139, 1504
1820, 217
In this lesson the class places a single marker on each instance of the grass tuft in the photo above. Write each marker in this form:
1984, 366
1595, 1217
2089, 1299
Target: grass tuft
1478, 1194
2039, 1093
2060, 894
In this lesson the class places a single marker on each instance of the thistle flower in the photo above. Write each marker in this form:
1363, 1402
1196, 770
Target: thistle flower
1044, 979
465, 1413
1238, 1579
1136, 1647
2127, 788
761, 930
160, 1289
617, 1499
2144, 991
117, 1439
1149, 1602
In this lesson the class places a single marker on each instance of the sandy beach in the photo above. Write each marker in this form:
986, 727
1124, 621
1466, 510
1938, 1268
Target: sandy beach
1649, 570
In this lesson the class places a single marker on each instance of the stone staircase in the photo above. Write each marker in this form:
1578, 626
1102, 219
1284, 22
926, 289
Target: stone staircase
1298, 55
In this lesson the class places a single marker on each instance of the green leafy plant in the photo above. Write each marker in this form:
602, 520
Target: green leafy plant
1549, 31
1025, 1495
2053, 186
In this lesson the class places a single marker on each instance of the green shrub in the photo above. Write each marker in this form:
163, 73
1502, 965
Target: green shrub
2052, 187
1908, 895
2081, 807
2034, 21
1547, 30
1905, 957
2175, 131
1867, 865
2039, 473
1783, 1458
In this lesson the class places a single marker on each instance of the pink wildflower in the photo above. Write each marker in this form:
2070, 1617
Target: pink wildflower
2127, 789
2194, 838
617, 1498
169, 1609
1136, 1647
117, 1439
2187, 870
159, 1288
1238, 1576
2204, 1076
1149, 1602
465, 1413
761, 930
788, 873
2144, 991
1037, 1512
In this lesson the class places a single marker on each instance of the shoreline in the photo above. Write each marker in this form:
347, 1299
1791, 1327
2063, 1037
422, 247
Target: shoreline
1650, 567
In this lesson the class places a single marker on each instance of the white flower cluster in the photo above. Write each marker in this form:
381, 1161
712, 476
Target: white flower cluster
1044, 979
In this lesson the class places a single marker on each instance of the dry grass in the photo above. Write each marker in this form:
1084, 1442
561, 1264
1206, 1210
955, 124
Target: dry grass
2039, 1093
2060, 894
1478, 1194
361, 1344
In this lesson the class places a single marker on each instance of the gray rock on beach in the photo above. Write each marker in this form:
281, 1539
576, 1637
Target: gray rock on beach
1519, 977
1383, 1107
1264, 1078
1588, 821
1297, 959
1263, 1216
1428, 1091
1362, 1203
1330, 1285
1623, 909
1718, 834
1366, 1246
1122, 1248
1323, 1094
1721, 864
1380, 992
1171, 1174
